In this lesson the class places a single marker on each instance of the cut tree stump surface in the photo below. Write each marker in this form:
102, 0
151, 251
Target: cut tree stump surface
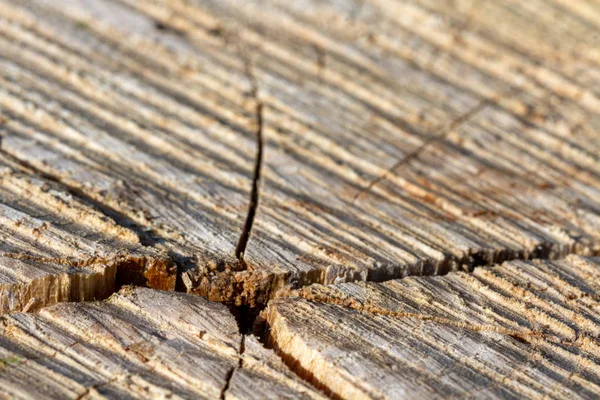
307, 157
518, 330
267, 145
141, 343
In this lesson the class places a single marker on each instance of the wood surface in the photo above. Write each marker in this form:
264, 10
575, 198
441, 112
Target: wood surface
116, 121
141, 343
518, 330
311, 157
54, 247
265, 145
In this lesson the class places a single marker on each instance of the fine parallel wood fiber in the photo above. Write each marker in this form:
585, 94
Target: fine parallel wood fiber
517, 330
54, 247
268, 145
170, 168
139, 344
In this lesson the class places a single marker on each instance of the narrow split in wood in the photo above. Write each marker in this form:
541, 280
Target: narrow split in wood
139, 344
518, 330
255, 192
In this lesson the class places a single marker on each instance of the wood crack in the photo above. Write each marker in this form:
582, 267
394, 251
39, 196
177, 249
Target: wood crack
507, 338
255, 191
234, 368
139, 128
437, 137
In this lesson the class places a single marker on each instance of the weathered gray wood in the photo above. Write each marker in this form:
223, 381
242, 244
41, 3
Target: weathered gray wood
129, 123
518, 330
55, 247
403, 152
141, 343
399, 138
263, 375
359, 140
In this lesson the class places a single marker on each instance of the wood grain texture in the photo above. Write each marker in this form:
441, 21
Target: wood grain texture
241, 150
141, 343
55, 247
130, 123
518, 330
263, 375
384, 159
398, 137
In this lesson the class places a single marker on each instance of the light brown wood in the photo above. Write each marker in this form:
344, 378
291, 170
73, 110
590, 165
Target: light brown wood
263, 375
517, 330
55, 247
405, 144
246, 151
398, 138
130, 124
141, 343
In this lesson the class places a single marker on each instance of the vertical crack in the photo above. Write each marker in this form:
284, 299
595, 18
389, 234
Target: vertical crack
254, 194
239, 365
228, 380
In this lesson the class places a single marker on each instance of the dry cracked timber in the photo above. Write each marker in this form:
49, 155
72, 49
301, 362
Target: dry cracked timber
517, 330
241, 152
